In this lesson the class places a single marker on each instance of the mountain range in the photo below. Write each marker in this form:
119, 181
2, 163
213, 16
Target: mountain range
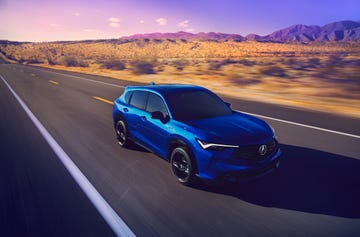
336, 31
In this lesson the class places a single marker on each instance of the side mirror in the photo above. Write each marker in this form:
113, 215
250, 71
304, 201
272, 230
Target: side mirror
228, 104
157, 115
160, 116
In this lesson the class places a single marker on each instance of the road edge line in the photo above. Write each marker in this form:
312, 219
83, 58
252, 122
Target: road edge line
78, 77
302, 125
110, 216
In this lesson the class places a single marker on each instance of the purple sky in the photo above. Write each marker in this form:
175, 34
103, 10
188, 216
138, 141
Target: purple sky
51, 20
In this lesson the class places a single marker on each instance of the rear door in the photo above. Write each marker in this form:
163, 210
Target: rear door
136, 115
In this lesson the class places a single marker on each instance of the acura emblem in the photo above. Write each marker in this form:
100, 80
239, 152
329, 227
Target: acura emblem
262, 150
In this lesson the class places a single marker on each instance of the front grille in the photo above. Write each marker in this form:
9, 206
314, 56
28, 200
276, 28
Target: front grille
253, 153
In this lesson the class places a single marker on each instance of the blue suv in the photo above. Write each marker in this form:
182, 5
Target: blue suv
196, 131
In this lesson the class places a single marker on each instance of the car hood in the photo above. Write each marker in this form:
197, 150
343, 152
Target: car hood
237, 129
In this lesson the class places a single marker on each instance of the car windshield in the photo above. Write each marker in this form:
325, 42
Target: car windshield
194, 105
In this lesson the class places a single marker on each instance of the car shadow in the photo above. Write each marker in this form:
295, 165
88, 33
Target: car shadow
308, 181
135, 147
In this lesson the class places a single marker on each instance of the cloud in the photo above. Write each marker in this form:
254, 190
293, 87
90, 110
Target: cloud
162, 21
183, 24
141, 21
114, 19
55, 25
76, 14
190, 30
114, 22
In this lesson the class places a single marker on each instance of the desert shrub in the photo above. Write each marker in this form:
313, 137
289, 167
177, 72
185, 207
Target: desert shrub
246, 62
34, 61
70, 61
158, 41
82, 63
180, 64
142, 42
52, 51
290, 61
195, 46
114, 65
274, 71
21, 61
11, 57
229, 61
51, 61
354, 62
195, 62
215, 65
245, 82
335, 60
314, 61
143, 66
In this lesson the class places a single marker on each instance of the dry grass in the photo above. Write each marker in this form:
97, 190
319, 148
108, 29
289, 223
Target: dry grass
323, 77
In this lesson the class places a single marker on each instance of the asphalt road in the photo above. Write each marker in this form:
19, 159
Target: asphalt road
314, 193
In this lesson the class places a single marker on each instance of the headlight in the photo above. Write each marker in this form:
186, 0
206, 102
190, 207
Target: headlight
273, 130
208, 145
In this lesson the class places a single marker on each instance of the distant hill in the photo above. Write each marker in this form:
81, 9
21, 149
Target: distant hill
342, 30
187, 36
302, 33
336, 31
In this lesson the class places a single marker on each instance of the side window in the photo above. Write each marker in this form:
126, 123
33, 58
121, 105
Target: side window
127, 96
138, 99
155, 103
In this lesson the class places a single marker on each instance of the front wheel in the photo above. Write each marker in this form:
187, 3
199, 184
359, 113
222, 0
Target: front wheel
122, 133
182, 165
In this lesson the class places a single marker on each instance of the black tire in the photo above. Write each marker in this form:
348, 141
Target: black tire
122, 133
182, 165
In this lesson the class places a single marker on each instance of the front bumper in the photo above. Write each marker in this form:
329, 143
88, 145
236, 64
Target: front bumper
235, 176
221, 165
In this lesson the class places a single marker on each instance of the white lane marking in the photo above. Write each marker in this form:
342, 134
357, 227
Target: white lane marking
302, 125
109, 215
81, 78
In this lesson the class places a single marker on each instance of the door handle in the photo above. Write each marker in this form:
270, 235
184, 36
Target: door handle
126, 110
143, 118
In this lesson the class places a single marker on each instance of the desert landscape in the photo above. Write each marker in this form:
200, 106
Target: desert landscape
78, 161
312, 74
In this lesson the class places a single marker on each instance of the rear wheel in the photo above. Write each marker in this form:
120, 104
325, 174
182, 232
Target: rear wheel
122, 133
183, 166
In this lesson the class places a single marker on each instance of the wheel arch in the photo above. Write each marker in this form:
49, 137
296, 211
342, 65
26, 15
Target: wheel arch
116, 117
177, 142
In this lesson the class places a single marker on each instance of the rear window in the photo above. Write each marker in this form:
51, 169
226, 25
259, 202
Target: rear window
138, 99
127, 96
